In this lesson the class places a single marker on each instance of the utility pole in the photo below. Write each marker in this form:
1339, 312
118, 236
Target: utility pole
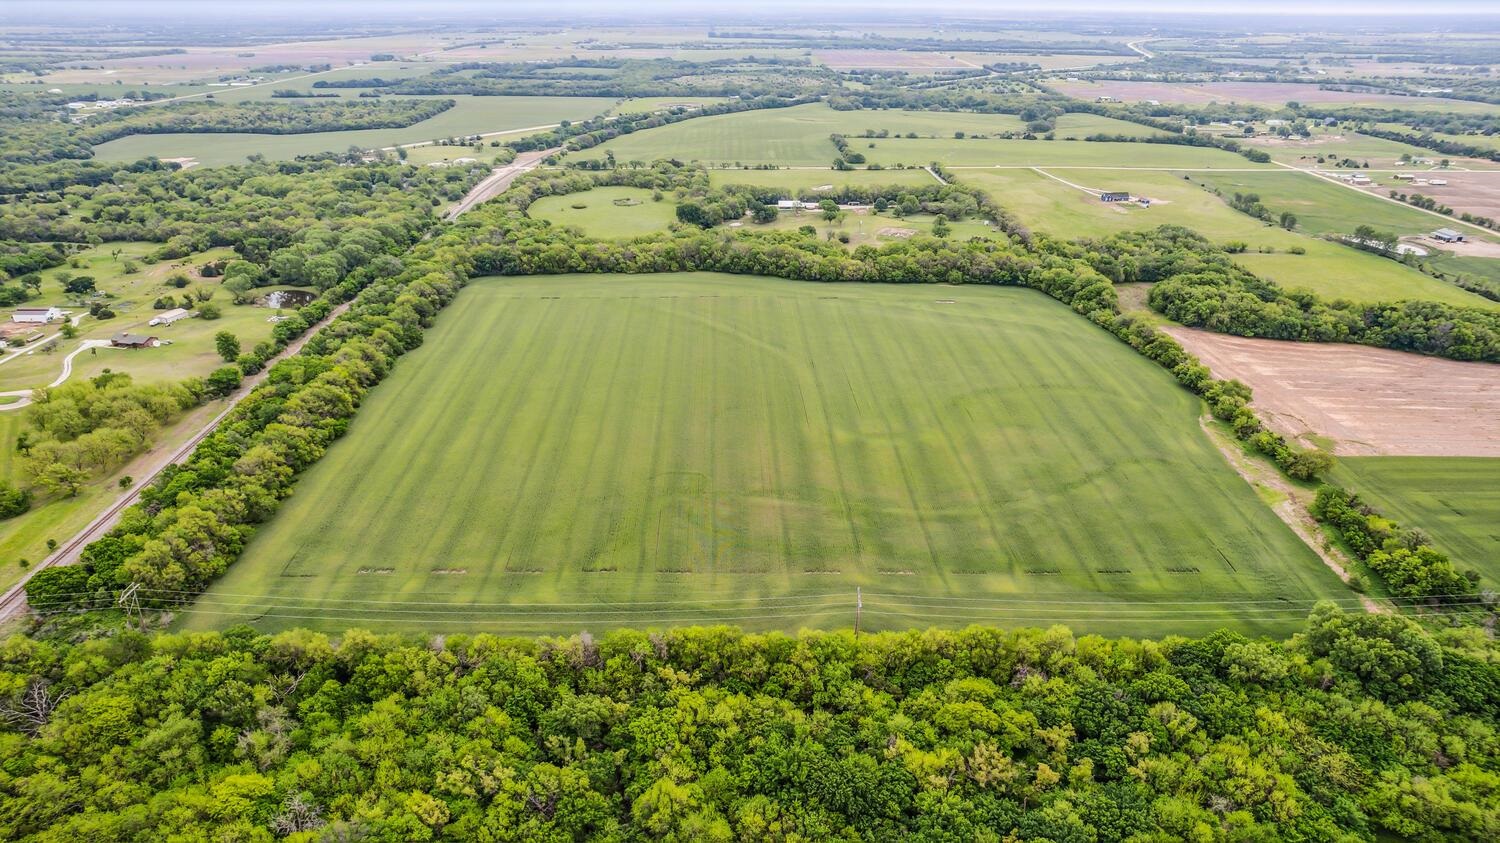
131, 603
859, 605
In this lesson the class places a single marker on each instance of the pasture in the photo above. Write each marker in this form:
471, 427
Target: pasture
813, 181
470, 115
191, 351
1329, 269
1456, 500
608, 212
795, 136
1273, 94
562, 450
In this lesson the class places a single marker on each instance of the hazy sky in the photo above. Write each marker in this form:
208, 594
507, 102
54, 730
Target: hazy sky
19, 11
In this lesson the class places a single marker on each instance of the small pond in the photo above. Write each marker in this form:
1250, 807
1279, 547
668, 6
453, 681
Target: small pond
286, 299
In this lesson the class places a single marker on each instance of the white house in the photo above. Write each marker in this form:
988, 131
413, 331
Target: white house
37, 314
167, 317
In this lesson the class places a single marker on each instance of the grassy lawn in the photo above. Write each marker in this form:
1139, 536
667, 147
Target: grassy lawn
191, 352
796, 136
870, 228
1456, 500
471, 115
707, 439
600, 216
1329, 269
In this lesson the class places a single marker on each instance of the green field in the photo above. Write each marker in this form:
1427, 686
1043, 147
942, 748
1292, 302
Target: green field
796, 136
1328, 269
740, 448
1455, 500
810, 179
601, 217
471, 115
1323, 207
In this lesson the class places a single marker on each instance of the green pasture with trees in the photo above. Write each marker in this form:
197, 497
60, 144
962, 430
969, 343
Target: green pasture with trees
1291, 258
1456, 500
608, 211
743, 447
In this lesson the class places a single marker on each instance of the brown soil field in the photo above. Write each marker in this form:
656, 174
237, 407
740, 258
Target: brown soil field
1368, 401
1475, 192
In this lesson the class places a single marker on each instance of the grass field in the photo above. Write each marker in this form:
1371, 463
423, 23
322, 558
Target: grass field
740, 448
993, 152
601, 217
1329, 269
191, 352
796, 136
471, 115
1323, 207
811, 180
1456, 500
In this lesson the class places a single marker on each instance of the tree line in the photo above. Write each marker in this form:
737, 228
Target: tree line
1362, 727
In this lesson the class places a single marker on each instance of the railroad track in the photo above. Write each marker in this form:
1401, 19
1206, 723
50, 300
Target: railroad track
13, 602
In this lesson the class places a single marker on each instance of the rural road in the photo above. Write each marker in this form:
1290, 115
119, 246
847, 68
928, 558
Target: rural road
13, 602
496, 182
416, 144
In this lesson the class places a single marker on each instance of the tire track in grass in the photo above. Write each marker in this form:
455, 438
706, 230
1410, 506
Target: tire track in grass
552, 432
959, 360
917, 456
646, 575
507, 349
771, 472
833, 451
913, 498
1017, 400
459, 460
616, 430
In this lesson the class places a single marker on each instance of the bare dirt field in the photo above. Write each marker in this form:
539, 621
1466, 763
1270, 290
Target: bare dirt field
1369, 401
1475, 192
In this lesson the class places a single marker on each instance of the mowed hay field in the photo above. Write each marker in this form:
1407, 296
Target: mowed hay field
590, 451
596, 213
1455, 500
469, 116
795, 136
1332, 270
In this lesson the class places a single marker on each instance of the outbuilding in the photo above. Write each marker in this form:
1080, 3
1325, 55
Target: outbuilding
1447, 235
36, 314
167, 317
133, 341
1114, 196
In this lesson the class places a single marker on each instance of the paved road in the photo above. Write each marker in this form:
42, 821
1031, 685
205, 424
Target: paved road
496, 182
13, 602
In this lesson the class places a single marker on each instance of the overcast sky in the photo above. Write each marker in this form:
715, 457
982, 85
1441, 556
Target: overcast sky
20, 11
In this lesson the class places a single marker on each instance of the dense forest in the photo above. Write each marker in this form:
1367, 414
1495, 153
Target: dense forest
1363, 725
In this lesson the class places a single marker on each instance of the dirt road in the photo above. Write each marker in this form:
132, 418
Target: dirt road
496, 182
13, 602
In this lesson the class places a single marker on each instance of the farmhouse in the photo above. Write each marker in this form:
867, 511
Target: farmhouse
167, 317
1447, 235
1114, 196
133, 341
37, 314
